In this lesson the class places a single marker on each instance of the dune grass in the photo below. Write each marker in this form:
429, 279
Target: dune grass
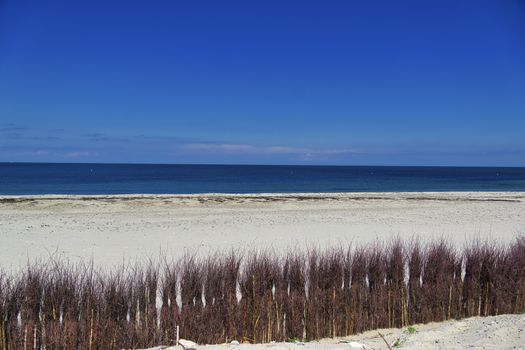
259, 296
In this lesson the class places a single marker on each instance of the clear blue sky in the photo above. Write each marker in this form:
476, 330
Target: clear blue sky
272, 82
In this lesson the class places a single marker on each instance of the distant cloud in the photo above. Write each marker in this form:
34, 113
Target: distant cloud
78, 154
236, 149
247, 149
35, 144
93, 135
314, 154
10, 127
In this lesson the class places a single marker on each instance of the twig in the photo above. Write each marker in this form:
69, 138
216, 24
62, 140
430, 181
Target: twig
383, 337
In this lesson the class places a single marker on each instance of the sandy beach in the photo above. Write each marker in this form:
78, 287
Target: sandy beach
113, 229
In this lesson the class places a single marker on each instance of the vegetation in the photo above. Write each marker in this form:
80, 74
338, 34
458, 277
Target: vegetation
410, 330
258, 297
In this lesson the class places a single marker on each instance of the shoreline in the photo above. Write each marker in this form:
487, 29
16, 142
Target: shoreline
284, 195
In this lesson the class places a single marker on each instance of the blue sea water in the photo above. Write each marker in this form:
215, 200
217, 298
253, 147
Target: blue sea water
38, 178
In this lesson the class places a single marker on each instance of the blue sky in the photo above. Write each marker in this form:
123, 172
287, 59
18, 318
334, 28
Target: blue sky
272, 82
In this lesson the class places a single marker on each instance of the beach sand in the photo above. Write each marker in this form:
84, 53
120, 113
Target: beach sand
495, 332
116, 229
488, 333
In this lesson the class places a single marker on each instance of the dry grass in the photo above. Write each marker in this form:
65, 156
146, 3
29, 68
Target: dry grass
260, 296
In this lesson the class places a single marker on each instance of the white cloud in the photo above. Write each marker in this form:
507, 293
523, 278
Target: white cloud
246, 149
77, 154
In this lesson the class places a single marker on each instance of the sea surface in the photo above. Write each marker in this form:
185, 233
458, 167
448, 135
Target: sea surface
38, 179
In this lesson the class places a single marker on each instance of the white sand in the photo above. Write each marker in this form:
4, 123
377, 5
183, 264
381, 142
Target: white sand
498, 333
111, 229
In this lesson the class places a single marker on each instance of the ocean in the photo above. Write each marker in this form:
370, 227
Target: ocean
85, 179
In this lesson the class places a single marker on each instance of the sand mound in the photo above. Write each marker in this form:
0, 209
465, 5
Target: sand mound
496, 332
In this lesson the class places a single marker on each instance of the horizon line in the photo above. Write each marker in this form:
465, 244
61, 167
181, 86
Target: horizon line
275, 165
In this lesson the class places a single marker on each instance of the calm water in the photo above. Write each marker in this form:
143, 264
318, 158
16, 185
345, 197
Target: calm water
18, 178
